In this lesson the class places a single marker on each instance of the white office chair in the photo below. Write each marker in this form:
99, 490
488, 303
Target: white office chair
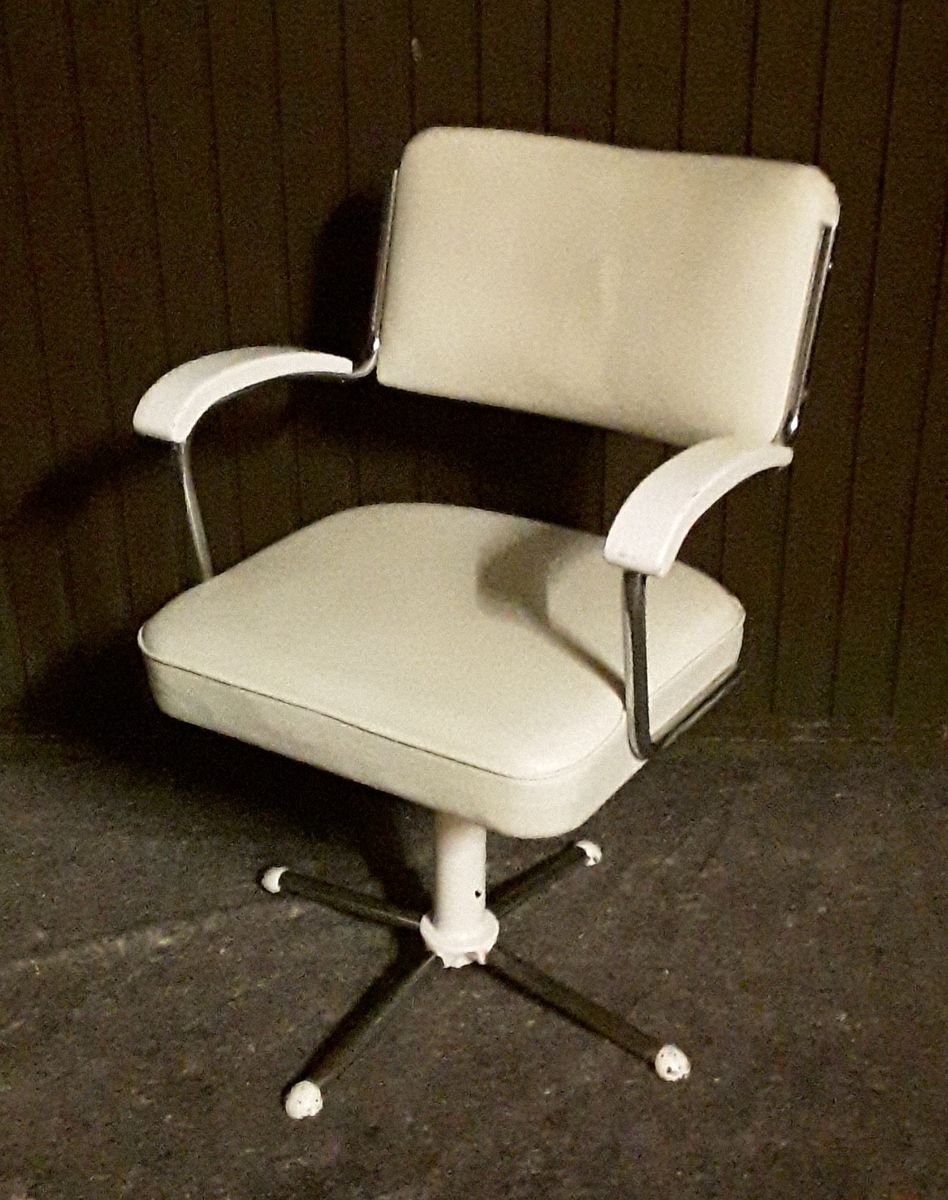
501, 671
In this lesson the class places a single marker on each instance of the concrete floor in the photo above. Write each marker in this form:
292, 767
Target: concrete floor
777, 910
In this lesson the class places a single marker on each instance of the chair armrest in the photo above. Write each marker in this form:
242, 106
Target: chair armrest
171, 408
651, 525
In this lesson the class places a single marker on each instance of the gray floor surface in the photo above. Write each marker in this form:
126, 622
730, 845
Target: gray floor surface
776, 909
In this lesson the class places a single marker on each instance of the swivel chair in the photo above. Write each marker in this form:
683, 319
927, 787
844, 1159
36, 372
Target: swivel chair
508, 674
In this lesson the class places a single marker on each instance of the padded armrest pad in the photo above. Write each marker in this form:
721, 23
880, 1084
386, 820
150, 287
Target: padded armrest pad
654, 521
171, 408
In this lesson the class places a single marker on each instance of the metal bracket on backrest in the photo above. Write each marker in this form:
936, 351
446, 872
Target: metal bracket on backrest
800, 378
370, 358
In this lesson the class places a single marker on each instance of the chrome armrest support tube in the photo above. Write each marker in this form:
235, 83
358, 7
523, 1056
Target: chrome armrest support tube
192, 507
182, 450
638, 717
636, 666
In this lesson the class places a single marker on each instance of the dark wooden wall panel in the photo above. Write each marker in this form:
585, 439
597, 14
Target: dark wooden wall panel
566, 464
183, 151
784, 124
313, 140
37, 581
445, 50
178, 178
514, 73
54, 166
12, 673
253, 228
108, 71
648, 91
718, 75
514, 53
858, 64
379, 121
650, 60
905, 285
922, 678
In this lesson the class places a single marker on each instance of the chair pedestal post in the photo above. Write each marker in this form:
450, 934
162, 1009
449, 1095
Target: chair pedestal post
461, 929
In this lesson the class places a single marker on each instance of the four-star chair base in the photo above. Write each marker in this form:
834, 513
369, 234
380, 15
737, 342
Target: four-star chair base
461, 930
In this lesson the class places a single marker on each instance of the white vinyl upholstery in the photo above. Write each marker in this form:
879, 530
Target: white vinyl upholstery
656, 293
463, 659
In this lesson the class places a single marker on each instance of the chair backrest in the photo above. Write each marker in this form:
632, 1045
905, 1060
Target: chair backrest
656, 293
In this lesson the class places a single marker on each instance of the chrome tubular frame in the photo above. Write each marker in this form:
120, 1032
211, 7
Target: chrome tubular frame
367, 366
182, 450
638, 719
192, 508
800, 378
636, 666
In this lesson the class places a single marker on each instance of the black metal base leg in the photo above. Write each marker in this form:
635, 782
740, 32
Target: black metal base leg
538, 878
356, 1033
366, 1021
669, 1062
280, 881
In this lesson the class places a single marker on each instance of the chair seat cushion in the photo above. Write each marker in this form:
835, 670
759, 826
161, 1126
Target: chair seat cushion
467, 660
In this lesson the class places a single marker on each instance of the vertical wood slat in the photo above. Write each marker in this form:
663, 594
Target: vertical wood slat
253, 219
905, 286
649, 63
182, 148
313, 144
445, 44
718, 72
514, 66
379, 122
784, 125
45, 108
12, 669
513, 77
126, 248
581, 85
650, 58
854, 114
569, 464
37, 582
921, 691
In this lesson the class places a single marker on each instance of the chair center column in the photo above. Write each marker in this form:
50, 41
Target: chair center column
461, 929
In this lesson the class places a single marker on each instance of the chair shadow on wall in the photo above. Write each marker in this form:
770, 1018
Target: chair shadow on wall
95, 697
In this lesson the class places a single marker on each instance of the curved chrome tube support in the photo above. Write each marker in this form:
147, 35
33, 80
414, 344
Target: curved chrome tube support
636, 666
361, 370
638, 717
192, 507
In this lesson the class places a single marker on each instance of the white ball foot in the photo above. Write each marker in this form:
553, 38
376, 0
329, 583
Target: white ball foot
270, 882
671, 1064
304, 1099
592, 851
